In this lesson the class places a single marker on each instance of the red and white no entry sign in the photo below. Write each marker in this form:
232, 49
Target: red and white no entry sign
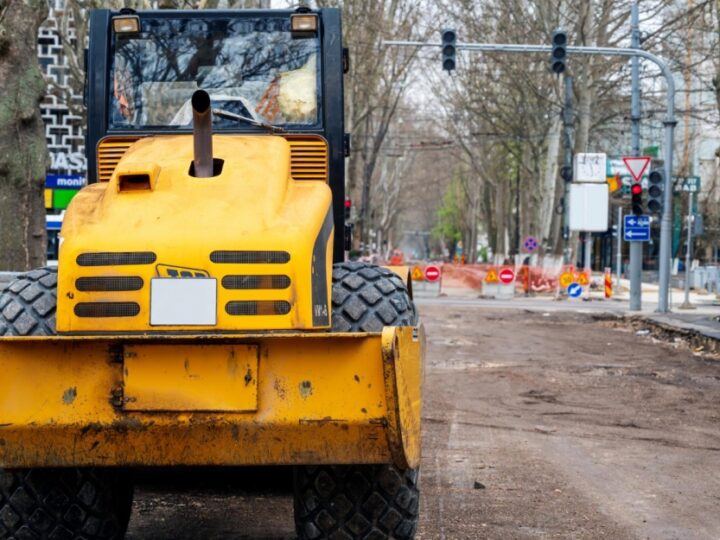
432, 272
507, 276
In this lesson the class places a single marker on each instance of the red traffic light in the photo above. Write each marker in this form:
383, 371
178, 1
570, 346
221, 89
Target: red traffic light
348, 203
636, 189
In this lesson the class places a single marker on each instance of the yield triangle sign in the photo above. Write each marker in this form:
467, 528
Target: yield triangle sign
636, 166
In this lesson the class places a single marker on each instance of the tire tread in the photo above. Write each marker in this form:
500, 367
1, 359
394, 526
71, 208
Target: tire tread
365, 298
27, 306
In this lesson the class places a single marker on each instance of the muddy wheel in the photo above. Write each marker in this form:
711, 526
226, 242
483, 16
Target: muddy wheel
353, 502
27, 306
39, 503
92, 504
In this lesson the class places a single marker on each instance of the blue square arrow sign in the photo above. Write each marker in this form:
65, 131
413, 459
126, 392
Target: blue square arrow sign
636, 228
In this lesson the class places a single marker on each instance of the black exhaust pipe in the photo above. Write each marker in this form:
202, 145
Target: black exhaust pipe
202, 135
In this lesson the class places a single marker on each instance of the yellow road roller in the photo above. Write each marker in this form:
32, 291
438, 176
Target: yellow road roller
202, 312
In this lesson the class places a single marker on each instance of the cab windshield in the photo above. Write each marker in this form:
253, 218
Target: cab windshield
252, 67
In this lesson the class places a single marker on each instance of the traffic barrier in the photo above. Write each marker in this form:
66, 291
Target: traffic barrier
608, 283
530, 278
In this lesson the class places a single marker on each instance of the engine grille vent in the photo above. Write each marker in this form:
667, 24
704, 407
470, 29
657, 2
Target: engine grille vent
261, 307
308, 158
116, 258
256, 282
117, 283
107, 309
109, 152
250, 257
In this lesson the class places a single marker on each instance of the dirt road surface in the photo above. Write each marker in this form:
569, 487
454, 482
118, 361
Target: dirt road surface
536, 425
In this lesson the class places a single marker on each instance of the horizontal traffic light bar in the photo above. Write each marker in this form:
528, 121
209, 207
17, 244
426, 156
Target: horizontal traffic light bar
520, 48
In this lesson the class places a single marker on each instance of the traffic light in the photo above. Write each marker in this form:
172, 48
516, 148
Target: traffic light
449, 39
636, 198
566, 173
348, 207
559, 51
656, 188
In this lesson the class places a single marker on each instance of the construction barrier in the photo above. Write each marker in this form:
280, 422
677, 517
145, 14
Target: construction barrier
608, 283
529, 278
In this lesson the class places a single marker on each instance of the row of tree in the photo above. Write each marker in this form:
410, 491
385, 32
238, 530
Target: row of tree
480, 150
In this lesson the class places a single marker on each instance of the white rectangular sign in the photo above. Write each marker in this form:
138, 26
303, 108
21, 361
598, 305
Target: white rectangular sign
589, 207
183, 301
590, 168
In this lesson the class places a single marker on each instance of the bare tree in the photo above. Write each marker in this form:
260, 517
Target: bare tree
374, 87
23, 151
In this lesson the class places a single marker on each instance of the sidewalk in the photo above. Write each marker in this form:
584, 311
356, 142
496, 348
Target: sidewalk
703, 319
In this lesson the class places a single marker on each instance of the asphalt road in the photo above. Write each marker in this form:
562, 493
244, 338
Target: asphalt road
537, 424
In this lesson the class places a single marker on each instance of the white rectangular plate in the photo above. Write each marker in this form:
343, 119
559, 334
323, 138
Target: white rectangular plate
183, 301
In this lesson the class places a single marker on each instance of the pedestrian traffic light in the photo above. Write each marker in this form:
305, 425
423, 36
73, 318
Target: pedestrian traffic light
559, 51
636, 199
656, 188
449, 39
566, 173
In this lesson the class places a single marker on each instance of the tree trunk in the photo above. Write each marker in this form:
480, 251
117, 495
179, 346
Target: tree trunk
549, 179
23, 150
500, 214
716, 80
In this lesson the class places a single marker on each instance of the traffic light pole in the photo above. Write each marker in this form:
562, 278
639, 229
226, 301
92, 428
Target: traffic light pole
669, 122
567, 162
636, 248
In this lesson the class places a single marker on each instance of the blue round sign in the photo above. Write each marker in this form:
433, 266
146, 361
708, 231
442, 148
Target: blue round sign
574, 290
531, 244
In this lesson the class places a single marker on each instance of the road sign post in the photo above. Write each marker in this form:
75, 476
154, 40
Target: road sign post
636, 166
506, 276
531, 244
636, 228
432, 273
575, 290
506, 289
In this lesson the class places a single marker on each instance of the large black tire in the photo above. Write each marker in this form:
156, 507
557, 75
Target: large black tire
360, 502
72, 503
354, 502
90, 504
366, 297
27, 306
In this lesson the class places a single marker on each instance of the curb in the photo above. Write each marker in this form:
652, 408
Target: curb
697, 336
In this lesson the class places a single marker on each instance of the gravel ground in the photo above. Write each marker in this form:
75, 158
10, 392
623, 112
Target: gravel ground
536, 425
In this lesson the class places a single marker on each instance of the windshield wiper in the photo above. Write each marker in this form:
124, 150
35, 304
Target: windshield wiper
222, 113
